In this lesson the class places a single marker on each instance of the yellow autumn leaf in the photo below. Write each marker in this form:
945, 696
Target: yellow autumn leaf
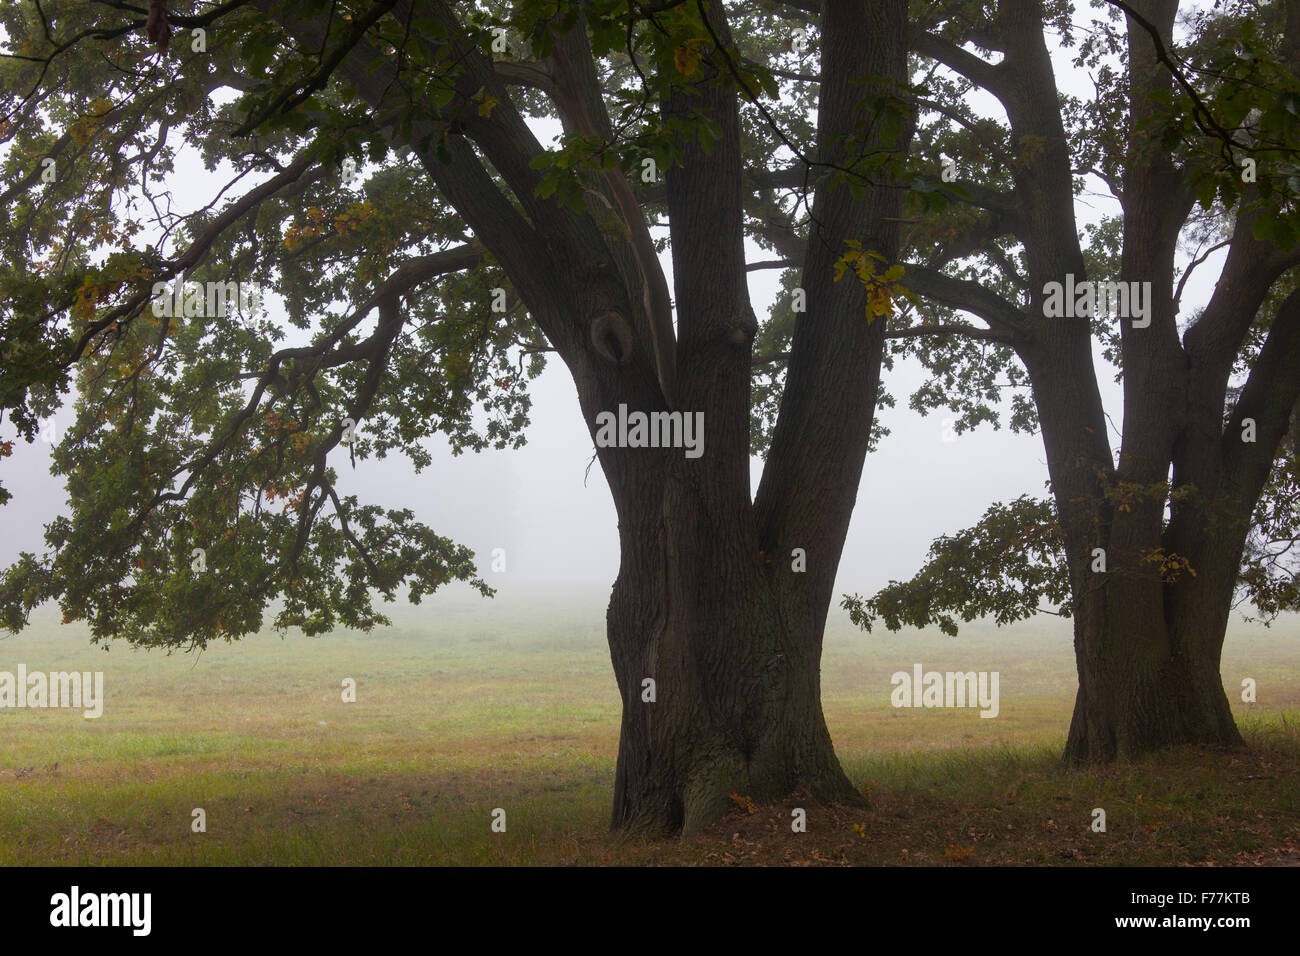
880, 302
686, 59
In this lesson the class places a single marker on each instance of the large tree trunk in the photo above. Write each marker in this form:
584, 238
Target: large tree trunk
1147, 636
736, 702
1148, 679
707, 603
1147, 639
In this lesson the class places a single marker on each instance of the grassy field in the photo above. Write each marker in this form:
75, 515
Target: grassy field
465, 706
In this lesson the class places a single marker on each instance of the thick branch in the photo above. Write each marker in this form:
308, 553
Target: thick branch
814, 467
576, 91
1250, 269
968, 296
958, 329
989, 76
1269, 397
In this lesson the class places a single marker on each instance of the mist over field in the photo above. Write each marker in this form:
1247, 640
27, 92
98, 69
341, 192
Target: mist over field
466, 705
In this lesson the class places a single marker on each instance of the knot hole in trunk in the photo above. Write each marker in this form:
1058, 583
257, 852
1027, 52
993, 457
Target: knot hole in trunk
612, 337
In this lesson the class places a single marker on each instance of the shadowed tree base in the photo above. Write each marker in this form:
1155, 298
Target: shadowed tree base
721, 696
690, 802
1129, 711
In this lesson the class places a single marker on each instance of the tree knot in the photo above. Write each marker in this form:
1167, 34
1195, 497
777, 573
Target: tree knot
612, 337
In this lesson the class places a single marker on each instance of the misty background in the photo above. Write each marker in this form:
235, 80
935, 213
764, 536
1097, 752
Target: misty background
548, 507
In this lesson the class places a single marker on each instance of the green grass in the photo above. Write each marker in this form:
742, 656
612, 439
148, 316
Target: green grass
466, 706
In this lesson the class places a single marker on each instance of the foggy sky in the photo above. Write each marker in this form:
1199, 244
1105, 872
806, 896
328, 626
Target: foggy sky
556, 519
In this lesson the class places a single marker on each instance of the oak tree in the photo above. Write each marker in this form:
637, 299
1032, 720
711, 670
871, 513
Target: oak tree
383, 172
1192, 127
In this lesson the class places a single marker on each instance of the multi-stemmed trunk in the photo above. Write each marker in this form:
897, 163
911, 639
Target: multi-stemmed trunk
1151, 592
735, 703
722, 594
1150, 600
1148, 659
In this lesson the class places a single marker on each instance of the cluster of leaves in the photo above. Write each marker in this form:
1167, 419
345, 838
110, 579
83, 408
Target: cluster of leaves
1004, 567
882, 288
978, 380
648, 54
1251, 106
214, 432
1012, 564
